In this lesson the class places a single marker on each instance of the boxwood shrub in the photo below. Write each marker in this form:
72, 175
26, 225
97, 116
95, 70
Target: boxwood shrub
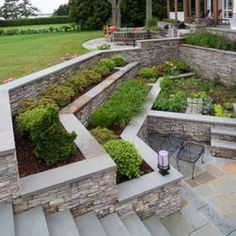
126, 157
109, 63
119, 60
62, 95
52, 143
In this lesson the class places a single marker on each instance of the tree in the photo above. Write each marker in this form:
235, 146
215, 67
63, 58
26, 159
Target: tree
9, 10
148, 10
26, 9
116, 15
90, 15
62, 10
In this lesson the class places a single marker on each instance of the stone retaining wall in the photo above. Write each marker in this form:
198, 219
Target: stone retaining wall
210, 62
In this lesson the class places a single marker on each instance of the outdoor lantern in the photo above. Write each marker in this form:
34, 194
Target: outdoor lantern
163, 162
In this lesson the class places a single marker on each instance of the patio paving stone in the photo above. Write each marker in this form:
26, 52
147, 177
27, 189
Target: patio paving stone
205, 190
230, 168
214, 170
225, 185
207, 230
204, 177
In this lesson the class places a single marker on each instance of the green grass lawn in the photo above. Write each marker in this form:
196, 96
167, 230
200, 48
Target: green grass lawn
24, 54
24, 27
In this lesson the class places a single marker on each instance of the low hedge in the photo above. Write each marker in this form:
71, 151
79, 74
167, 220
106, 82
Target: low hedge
36, 21
122, 106
209, 40
126, 157
103, 135
52, 143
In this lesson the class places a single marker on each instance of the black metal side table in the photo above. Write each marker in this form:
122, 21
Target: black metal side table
191, 153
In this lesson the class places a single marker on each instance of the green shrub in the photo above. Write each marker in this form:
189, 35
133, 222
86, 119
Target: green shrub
180, 64
175, 67
201, 95
178, 102
228, 106
119, 60
162, 103
29, 104
104, 46
209, 40
91, 75
60, 94
103, 135
148, 73
36, 21
51, 141
220, 112
102, 117
173, 21
167, 84
109, 63
126, 157
78, 83
103, 70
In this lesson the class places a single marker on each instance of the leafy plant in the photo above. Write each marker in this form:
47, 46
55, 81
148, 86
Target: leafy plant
102, 117
104, 46
103, 135
91, 75
119, 60
148, 73
102, 70
78, 83
51, 141
167, 84
207, 105
29, 104
162, 103
220, 112
178, 102
60, 94
109, 63
201, 95
126, 157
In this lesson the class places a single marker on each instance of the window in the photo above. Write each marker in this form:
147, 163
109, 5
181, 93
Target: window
227, 9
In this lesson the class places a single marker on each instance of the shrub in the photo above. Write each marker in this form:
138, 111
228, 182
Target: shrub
51, 141
119, 60
178, 102
167, 84
104, 46
209, 40
78, 83
107, 63
201, 95
29, 104
126, 157
102, 70
180, 64
103, 135
91, 75
102, 118
220, 112
148, 73
60, 94
162, 103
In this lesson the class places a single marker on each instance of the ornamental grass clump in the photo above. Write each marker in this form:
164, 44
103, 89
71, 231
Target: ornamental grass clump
103, 135
52, 143
209, 40
125, 103
126, 157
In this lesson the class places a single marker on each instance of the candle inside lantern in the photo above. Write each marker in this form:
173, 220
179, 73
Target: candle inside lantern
163, 162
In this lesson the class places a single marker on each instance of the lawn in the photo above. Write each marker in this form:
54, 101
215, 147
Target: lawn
24, 54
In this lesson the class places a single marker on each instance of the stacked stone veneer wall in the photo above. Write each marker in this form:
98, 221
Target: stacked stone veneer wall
210, 62
230, 34
148, 52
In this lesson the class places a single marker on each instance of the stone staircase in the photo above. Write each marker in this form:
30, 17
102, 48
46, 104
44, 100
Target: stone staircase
35, 223
223, 141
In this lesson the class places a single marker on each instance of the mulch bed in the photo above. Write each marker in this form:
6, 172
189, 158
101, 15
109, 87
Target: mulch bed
28, 164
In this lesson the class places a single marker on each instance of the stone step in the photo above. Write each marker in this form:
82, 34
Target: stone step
224, 133
113, 226
31, 223
6, 221
62, 224
89, 225
135, 226
223, 144
155, 227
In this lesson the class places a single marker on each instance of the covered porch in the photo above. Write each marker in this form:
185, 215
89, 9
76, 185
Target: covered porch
220, 11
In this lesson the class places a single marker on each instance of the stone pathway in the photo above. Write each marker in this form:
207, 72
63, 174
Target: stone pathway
194, 106
209, 200
93, 44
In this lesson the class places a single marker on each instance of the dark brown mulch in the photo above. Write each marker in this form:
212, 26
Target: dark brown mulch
28, 164
144, 168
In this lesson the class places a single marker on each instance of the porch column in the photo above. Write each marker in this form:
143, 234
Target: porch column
186, 9
215, 11
168, 8
233, 21
176, 9
190, 8
197, 9
209, 7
